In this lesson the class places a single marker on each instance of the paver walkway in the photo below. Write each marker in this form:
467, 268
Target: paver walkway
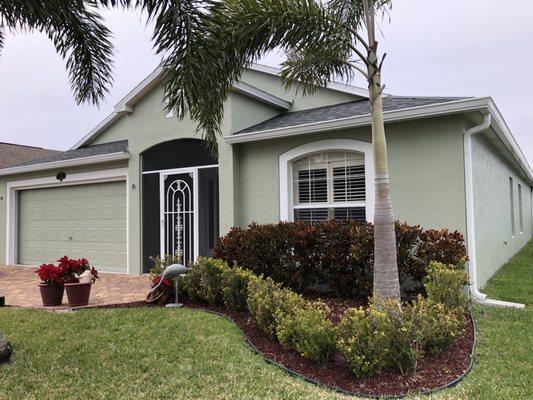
19, 285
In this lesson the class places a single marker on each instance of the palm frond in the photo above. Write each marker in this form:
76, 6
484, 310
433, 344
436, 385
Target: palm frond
315, 66
79, 36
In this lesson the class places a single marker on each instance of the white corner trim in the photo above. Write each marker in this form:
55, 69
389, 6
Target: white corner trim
13, 187
66, 163
261, 95
286, 212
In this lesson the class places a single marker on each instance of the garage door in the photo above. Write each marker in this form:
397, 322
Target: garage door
80, 221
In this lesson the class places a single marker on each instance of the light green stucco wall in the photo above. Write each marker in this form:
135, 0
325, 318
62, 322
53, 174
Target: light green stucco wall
495, 243
426, 172
272, 84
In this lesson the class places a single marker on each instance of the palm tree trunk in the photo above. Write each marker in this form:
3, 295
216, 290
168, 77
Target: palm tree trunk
386, 279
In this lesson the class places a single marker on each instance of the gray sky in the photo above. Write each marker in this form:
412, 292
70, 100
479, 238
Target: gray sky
435, 47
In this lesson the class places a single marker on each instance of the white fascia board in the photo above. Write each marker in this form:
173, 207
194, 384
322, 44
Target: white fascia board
258, 94
124, 106
65, 163
506, 136
339, 87
457, 106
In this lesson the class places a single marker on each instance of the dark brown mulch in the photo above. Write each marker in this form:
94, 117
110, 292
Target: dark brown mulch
432, 372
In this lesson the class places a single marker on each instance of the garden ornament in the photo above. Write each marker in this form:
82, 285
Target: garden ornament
172, 272
88, 276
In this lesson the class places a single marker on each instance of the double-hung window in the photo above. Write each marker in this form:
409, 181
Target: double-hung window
329, 185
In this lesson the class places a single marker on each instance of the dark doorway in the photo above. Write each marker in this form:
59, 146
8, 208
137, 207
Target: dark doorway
171, 166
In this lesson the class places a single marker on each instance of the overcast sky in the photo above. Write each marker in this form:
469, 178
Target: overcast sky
435, 47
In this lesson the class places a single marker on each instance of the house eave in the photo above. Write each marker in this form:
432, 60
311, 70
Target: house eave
457, 106
482, 104
99, 159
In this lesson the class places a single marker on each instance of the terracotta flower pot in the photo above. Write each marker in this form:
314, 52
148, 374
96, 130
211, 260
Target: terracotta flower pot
78, 293
51, 295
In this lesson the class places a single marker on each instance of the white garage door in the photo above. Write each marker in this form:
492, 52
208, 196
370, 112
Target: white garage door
79, 221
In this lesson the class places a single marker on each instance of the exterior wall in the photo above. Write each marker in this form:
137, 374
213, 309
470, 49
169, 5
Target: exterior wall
147, 126
40, 174
426, 172
271, 84
495, 243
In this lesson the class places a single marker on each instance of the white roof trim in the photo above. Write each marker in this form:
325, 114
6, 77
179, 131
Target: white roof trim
125, 106
101, 158
339, 87
451, 107
258, 94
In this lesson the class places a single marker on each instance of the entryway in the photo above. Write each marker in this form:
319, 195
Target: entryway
179, 204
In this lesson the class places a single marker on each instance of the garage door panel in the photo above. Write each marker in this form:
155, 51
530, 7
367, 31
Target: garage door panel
81, 221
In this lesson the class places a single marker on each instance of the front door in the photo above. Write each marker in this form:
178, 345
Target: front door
179, 214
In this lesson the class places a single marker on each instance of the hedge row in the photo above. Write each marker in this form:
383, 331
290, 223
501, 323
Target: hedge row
385, 335
338, 254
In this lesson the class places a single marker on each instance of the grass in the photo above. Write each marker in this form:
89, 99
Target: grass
164, 354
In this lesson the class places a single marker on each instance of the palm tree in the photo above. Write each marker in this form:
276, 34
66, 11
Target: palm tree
207, 47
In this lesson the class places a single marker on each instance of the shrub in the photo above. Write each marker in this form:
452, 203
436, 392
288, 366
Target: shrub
362, 344
404, 340
437, 325
263, 304
339, 254
307, 330
445, 284
235, 288
382, 337
203, 281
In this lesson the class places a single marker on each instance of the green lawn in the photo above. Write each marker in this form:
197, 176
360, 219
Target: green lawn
164, 354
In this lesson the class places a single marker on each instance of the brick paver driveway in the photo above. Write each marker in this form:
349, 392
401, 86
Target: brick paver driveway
19, 285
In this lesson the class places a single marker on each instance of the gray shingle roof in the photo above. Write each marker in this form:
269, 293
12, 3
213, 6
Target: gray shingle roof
11, 153
90, 151
343, 110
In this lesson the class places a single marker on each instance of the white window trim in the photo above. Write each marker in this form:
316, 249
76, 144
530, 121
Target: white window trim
109, 175
286, 208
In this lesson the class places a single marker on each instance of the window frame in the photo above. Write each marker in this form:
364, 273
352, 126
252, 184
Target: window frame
286, 180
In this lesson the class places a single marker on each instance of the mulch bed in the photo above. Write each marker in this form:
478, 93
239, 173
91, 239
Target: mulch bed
433, 372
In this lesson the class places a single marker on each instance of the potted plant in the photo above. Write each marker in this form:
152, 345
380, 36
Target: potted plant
51, 285
78, 276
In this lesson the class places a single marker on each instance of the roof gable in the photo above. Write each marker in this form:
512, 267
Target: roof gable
156, 78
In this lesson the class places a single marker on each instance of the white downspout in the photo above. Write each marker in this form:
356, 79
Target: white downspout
476, 295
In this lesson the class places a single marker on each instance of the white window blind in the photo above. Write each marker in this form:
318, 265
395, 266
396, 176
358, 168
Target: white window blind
329, 185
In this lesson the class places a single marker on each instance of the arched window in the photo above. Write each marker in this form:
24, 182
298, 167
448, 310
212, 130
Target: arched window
327, 179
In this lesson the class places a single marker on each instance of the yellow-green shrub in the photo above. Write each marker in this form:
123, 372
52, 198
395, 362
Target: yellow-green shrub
263, 304
362, 344
203, 281
445, 284
306, 329
235, 288
437, 325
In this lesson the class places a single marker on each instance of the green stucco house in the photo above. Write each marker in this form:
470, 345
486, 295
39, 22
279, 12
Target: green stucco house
142, 183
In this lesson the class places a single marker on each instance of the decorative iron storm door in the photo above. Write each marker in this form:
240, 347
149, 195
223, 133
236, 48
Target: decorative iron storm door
179, 215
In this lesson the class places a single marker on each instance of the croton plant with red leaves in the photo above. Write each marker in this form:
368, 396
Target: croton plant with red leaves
66, 272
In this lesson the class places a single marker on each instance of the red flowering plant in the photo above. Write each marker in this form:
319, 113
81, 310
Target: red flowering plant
50, 274
167, 287
72, 269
